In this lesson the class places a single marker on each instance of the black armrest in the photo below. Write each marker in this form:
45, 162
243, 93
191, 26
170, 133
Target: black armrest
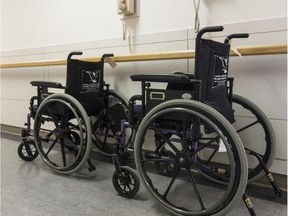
189, 74
160, 77
47, 84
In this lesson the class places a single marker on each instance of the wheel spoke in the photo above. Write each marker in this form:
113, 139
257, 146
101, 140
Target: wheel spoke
158, 160
247, 126
203, 146
128, 187
171, 183
105, 137
251, 152
193, 183
62, 145
53, 144
160, 133
28, 150
211, 156
69, 143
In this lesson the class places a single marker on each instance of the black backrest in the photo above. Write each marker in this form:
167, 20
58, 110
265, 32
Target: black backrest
85, 83
211, 67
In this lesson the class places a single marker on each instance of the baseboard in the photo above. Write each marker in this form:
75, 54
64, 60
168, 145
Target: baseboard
11, 129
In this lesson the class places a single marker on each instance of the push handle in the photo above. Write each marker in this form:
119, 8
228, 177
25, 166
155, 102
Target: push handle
198, 44
106, 55
239, 35
208, 29
74, 53
80, 53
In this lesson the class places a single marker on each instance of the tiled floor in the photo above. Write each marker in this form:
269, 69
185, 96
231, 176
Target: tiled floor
32, 189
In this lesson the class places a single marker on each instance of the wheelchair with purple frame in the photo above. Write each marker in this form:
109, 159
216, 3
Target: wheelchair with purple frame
175, 135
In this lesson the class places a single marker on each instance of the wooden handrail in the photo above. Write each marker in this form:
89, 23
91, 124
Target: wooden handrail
244, 50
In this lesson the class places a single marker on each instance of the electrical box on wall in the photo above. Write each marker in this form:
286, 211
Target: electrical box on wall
126, 7
129, 8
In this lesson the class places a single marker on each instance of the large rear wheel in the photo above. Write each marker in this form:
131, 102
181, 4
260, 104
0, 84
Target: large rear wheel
106, 128
197, 132
257, 135
62, 133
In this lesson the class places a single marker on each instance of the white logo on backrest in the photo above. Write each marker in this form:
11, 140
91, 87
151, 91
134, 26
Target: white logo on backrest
224, 62
93, 75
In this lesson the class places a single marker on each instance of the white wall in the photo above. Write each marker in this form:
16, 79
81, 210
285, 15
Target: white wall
33, 23
41, 29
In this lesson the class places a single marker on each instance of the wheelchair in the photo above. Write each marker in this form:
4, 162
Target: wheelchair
247, 118
62, 129
175, 135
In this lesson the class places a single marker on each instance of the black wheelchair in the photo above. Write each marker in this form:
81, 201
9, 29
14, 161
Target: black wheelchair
177, 134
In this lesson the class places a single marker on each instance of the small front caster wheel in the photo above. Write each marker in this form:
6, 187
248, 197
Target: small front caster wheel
126, 182
27, 150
